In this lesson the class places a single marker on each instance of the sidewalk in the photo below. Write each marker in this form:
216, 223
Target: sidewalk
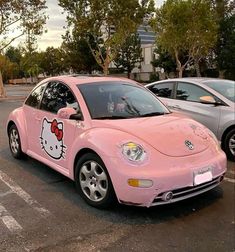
16, 92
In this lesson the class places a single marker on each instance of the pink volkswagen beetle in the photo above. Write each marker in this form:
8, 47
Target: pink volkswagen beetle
117, 141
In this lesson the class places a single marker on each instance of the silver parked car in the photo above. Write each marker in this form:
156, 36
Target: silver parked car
209, 101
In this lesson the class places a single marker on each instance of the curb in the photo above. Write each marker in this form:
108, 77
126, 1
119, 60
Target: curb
16, 98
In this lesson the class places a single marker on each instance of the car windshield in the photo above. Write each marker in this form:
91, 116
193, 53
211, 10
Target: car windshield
120, 100
224, 87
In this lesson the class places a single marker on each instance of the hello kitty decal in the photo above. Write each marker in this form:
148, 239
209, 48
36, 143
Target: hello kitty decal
51, 138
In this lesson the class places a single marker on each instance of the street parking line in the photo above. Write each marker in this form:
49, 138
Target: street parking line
8, 220
5, 193
24, 195
229, 180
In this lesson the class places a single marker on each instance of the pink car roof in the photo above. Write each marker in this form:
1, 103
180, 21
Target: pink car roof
71, 80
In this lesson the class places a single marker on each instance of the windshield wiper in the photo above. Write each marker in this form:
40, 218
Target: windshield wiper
153, 114
109, 117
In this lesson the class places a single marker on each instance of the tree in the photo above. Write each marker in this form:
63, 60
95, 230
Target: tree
186, 28
225, 49
109, 22
78, 56
164, 60
17, 18
8, 69
130, 54
52, 61
14, 54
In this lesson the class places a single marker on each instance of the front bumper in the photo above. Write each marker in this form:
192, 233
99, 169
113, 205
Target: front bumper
168, 174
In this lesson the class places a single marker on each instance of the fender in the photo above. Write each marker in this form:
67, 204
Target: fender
18, 118
93, 139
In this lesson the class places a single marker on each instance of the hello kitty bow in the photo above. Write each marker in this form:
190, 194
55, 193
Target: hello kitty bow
58, 132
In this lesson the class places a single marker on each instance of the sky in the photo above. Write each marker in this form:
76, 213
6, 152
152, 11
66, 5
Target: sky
54, 26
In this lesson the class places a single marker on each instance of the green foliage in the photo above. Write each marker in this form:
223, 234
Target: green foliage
78, 56
153, 77
213, 73
130, 54
9, 69
18, 18
225, 53
164, 60
225, 50
109, 22
185, 28
52, 61
14, 54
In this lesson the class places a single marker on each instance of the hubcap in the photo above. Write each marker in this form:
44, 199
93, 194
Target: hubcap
231, 144
14, 141
93, 181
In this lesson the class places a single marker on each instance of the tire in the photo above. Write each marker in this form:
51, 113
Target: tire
93, 182
229, 144
15, 143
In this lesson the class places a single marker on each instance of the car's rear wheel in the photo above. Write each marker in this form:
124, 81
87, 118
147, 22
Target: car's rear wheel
229, 144
15, 143
93, 182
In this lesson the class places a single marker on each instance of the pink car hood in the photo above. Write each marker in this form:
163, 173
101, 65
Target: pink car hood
167, 133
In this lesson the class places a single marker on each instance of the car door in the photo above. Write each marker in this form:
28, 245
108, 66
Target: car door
54, 136
187, 101
32, 121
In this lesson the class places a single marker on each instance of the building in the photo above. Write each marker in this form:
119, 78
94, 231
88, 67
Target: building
147, 40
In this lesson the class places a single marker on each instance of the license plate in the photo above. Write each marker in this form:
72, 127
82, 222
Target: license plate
202, 176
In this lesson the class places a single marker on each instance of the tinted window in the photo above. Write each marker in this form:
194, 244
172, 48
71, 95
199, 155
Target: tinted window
116, 100
190, 92
57, 96
35, 97
162, 90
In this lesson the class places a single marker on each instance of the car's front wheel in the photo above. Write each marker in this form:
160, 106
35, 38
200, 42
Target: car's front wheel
15, 143
93, 182
229, 144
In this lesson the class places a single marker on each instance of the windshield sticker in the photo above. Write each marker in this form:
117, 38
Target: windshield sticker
52, 138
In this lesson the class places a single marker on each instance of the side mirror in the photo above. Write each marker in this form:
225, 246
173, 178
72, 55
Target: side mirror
68, 113
77, 117
207, 100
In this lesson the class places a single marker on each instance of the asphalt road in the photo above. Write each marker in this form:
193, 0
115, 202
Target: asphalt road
41, 211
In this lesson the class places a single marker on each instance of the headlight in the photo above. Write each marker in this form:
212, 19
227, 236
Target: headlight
133, 151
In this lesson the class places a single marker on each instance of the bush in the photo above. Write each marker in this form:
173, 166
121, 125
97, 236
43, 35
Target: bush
213, 73
153, 77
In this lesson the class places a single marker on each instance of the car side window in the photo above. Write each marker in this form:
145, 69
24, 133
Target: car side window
163, 89
190, 92
34, 98
57, 96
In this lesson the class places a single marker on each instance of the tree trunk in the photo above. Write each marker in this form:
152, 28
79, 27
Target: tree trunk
2, 90
106, 66
128, 72
105, 70
180, 70
197, 67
